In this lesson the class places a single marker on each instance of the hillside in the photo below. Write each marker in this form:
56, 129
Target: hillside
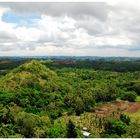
32, 74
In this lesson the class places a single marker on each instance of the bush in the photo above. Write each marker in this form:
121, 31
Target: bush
58, 129
114, 127
124, 118
118, 127
130, 96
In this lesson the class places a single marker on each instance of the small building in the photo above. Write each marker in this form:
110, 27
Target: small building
85, 133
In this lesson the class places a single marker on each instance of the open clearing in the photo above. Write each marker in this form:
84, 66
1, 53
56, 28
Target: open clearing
124, 106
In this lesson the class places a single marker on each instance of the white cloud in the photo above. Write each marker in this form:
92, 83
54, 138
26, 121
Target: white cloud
72, 29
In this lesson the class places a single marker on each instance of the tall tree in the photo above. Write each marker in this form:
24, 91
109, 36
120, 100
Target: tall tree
71, 130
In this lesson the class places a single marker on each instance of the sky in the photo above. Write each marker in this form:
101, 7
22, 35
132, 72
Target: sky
102, 28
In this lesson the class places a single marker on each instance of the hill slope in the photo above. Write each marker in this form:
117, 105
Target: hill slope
32, 74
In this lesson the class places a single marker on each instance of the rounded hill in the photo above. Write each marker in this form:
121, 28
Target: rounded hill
32, 74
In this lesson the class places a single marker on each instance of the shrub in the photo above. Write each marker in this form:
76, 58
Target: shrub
124, 118
130, 96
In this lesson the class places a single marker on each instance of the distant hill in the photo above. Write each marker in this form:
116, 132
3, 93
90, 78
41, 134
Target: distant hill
32, 74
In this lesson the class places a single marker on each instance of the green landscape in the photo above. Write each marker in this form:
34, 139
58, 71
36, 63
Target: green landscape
69, 98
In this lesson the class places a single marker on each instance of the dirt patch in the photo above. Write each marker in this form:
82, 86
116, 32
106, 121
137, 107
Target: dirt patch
133, 108
124, 106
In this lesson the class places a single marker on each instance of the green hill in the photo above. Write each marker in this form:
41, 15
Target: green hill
32, 74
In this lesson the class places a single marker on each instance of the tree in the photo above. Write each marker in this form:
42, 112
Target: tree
27, 124
74, 102
71, 130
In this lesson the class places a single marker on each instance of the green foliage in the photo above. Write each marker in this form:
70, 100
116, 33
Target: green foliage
105, 92
58, 130
17, 123
75, 103
138, 99
135, 85
133, 130
118, 127
124, 118
29, 75
29, 124
106, 64
35, 99
114, 126
130, 96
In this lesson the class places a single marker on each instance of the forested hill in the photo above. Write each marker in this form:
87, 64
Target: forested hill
38, 99
32, 74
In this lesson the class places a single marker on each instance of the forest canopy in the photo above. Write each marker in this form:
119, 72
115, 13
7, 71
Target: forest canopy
44, 99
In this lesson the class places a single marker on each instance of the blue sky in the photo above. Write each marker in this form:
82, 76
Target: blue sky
20, 20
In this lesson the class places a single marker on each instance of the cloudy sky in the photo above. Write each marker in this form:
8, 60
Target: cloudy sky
58, 28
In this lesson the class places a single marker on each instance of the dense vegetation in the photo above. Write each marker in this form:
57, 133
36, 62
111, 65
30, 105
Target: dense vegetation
44, 98
99, 64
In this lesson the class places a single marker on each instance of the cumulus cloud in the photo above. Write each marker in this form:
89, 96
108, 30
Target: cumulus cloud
96, 28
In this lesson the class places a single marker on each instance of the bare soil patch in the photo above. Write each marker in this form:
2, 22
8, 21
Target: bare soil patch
124, 106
